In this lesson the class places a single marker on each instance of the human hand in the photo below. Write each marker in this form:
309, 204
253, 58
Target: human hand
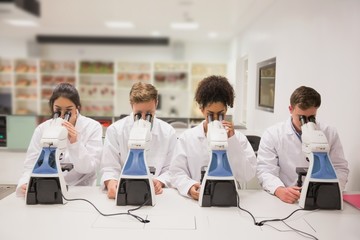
72, 133
288, 194
158, 186
229, 127
23, 188
194, 191
111, 186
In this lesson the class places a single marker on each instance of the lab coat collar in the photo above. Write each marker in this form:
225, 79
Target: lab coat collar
79, 124
289, 129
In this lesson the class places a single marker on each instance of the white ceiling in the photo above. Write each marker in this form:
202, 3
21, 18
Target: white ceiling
87, 17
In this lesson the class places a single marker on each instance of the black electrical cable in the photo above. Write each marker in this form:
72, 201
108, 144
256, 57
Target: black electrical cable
261, 223
140, 219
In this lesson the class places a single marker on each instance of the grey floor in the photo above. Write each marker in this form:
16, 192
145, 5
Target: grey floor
6, 190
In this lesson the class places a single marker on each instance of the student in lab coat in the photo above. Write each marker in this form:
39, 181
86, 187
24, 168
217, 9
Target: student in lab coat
280, 149
84, 144
214, 95
143, 99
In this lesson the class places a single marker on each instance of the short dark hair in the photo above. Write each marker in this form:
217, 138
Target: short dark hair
65, 90
305, 98
214, 89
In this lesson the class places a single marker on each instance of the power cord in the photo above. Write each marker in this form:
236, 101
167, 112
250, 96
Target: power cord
261, 223
140, 219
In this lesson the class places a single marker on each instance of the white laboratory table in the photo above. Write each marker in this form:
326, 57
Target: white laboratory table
173, 217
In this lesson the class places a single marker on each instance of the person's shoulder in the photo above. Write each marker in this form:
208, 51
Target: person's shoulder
163, 124
327, 128
192, 132
119, 124
277, 127
163, 128
44, 124
87, 121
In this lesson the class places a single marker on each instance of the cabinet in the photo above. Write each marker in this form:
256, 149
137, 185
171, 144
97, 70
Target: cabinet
128, 73
198, 72
6, 86
25, 87
104, 86
96, 88
51, 74
172, 82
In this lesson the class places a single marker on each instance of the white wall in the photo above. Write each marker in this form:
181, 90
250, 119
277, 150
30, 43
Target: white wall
12, 48
190, 51
12, 164
317, 44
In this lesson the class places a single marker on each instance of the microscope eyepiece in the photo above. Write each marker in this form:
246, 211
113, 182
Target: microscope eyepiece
148, 117
303, 119
67, 116
221, 117
210, 118
56, 114
312, 119
137, 116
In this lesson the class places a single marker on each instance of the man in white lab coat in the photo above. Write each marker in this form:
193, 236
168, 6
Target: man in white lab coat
214, 94
280, 149
143, 99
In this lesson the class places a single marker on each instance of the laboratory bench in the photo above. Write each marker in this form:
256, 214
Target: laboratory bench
173, 216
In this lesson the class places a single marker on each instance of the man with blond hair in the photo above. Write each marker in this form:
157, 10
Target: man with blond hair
143, 100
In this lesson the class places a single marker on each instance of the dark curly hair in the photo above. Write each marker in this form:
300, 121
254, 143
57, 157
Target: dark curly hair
214, 89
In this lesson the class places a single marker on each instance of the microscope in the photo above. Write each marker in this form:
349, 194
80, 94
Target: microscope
47, 184
321, 188
135, 185
218, 186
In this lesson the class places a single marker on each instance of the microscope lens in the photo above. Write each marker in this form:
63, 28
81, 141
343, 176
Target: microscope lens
210, 118
221, 117
137, 116
57, 114
302, 119
67, 116
148, 117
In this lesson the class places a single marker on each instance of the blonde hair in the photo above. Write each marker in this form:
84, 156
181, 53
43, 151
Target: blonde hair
143, 92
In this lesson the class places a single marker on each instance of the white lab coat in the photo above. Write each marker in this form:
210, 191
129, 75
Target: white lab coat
163, 139
84, 154
280, 152
192, 153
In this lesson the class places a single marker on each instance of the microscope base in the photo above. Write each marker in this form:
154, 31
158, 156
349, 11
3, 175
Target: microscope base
44, 190
221, 193
323, 195
134, 192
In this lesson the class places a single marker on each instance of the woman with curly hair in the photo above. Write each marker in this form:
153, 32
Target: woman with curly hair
214, 95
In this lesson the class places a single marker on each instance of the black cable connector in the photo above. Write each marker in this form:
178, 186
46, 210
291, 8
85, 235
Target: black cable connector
140, 219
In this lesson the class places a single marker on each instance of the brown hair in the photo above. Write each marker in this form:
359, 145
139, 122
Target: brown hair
305, 98
214, 89
143, 92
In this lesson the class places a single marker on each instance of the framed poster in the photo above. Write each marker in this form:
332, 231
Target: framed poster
266, 75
